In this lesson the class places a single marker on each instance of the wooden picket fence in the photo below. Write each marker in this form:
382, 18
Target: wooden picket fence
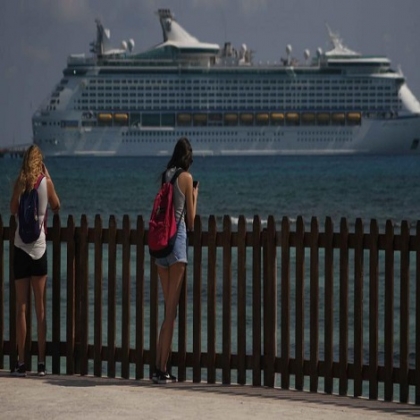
328, 310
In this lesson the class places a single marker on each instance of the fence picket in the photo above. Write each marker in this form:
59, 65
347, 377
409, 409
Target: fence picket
358, 309
300, 304
126, 287
389, 313
329, 306
140, 256
112, 295
227, 300
285, 303
197, 286
256, 301
314, 305
211, 300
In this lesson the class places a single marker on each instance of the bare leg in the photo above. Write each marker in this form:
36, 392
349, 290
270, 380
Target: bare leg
164, 281
22, 291
172, 283
38, 286
163, 273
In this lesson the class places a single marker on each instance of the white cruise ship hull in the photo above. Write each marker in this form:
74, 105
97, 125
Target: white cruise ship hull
372, 136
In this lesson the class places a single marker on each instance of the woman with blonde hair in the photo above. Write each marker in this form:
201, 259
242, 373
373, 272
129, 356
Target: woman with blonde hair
30, 259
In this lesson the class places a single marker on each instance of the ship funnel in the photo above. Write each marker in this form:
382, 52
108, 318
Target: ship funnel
172, 30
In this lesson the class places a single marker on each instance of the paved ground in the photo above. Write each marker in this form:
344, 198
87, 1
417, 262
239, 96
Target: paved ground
75, 397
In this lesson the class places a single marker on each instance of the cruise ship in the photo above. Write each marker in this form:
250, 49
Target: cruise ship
115, 101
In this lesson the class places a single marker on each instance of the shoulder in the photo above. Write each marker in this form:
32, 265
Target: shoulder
184, 179
185, 175
185, 182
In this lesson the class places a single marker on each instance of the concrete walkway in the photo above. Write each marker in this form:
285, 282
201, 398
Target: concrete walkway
75, 397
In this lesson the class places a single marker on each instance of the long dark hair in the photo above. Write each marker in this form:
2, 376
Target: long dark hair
182, 155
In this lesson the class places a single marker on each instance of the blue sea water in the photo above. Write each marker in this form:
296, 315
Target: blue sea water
362, 186
378, 187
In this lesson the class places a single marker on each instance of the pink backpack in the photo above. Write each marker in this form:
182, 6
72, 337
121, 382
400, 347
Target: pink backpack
162, 223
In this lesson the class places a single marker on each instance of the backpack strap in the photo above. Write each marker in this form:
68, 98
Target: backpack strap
176, 175
172, 181
38, 181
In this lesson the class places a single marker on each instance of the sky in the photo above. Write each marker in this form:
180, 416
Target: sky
37, 36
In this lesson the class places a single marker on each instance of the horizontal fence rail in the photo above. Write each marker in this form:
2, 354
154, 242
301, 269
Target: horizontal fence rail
293, 305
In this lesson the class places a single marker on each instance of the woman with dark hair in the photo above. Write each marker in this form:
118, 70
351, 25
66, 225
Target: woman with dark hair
171, 269
30, 259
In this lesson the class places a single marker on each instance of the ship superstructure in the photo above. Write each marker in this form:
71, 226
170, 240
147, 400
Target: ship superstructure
119, 102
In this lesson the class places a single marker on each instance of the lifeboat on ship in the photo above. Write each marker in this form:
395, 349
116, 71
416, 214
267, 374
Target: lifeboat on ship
121, 118
184, 119
247, 119
104, 117
354, 117
277, 118
292, 118
262, 118
231, 119
200, 119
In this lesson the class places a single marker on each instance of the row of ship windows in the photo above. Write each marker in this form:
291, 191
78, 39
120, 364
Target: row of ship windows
237, 95
241, 99
242, 102
154, 137
237, 81
209, 139
236, 89
245, 101
238, 98
297, 107
334, 133
195, 133
312, 139
213, 139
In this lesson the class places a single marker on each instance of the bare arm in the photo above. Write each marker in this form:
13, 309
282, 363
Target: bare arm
53, 199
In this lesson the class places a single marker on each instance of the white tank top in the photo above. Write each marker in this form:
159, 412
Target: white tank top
179, 197
36, 249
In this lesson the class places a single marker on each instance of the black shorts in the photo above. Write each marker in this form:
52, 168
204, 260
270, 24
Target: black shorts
24, 266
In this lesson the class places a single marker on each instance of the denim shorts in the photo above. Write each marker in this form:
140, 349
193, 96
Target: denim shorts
180, 251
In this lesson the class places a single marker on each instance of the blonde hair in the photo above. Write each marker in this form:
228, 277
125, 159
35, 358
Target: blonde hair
30, 170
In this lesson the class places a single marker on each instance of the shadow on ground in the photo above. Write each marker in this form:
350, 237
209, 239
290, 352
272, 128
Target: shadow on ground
301, 397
